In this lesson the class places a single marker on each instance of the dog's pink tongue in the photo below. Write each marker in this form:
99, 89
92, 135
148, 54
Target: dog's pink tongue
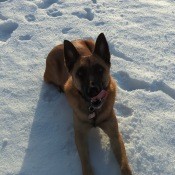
103, 94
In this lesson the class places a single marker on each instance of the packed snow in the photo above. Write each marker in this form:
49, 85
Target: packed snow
36, 126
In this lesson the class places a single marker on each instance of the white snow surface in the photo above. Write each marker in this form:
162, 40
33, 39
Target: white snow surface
36, 126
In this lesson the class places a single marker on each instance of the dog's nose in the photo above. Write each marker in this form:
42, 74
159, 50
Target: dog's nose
93, 91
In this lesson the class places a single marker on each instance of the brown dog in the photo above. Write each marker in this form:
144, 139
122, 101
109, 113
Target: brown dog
82, 70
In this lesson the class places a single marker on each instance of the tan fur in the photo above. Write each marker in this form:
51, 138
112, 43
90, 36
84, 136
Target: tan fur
56, 73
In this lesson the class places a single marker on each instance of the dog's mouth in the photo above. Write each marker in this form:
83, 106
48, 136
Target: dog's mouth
103, 94
98, 100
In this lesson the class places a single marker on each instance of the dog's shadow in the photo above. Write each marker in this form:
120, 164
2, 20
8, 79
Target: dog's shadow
51, 147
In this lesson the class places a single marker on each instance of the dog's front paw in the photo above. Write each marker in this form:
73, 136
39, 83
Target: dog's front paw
125, 170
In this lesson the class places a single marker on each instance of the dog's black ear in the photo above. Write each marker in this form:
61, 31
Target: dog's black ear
102, 48
70, 54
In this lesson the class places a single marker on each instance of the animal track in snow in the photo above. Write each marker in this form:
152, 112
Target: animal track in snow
99, 23
66, 30
119, 54
94, 1
30, 17
131, 84
123, 110
6, 29
54, 12
25, 37
4, 143
3, 0
46, 3
87, 15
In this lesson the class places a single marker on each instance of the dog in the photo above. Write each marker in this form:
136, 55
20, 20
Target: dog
81, 69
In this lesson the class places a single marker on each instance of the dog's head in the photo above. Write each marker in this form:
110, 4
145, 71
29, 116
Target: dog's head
90, 74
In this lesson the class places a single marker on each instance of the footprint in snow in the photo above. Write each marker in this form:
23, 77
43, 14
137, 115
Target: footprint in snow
119, 54
87, 14
46, 3
66, 30
6, 29
30, 17
25, 37
94, 1
127, 83
54, 12
4, 143
99, 23
122, 110
130, 84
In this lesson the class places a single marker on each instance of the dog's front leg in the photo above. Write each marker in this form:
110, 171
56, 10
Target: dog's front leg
110, 127
81, 134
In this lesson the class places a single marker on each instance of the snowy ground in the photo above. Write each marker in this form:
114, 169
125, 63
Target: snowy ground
36, 129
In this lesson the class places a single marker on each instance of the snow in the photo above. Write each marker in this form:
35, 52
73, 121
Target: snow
36, 127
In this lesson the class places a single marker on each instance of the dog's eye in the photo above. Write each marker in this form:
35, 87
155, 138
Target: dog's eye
80, 73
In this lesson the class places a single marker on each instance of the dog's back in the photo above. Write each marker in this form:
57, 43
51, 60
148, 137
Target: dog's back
56, 72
